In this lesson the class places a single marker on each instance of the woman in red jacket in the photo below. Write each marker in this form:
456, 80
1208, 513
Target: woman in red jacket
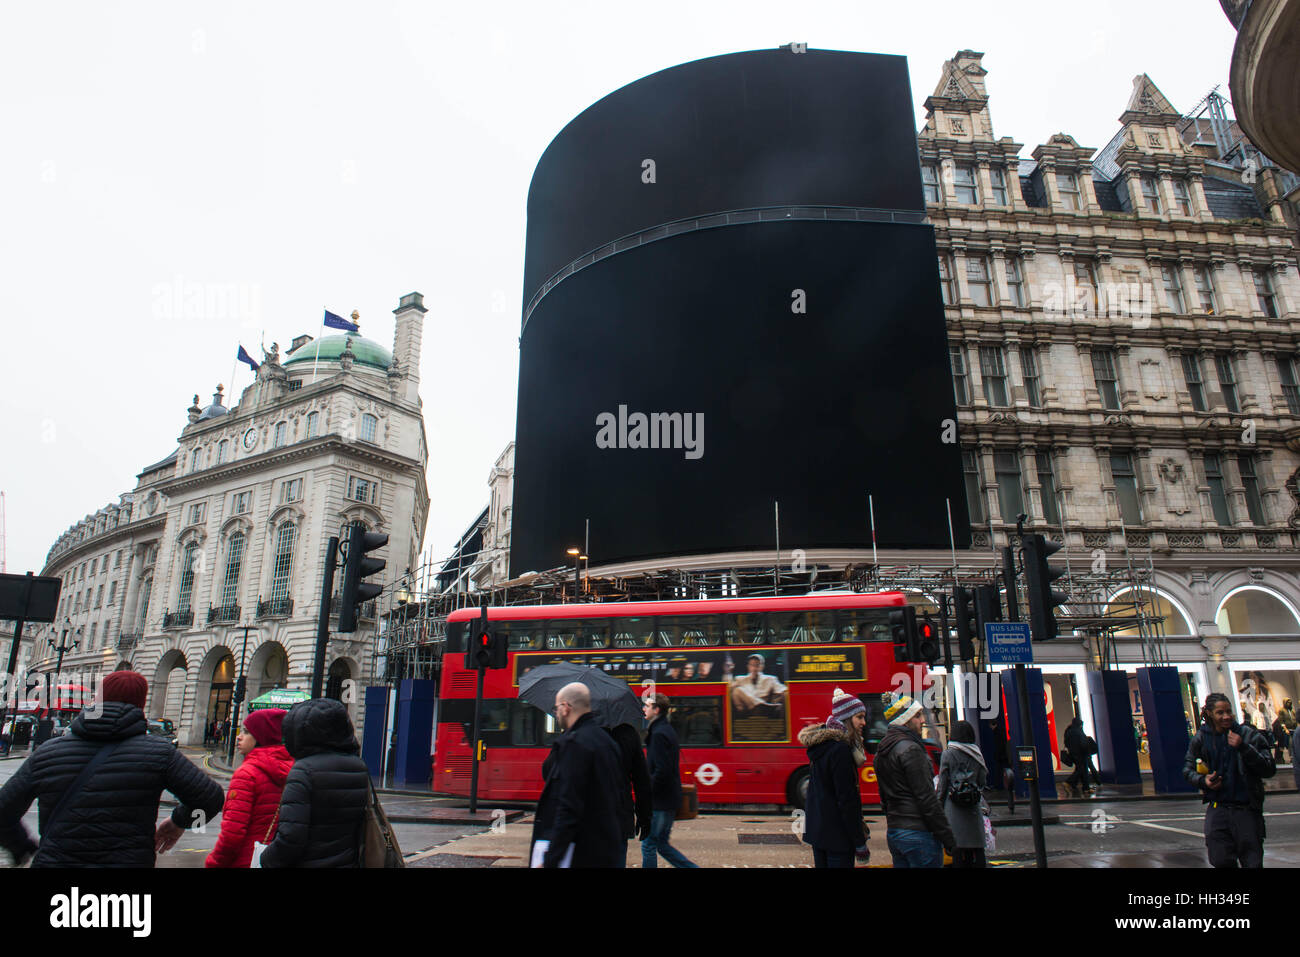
255, 788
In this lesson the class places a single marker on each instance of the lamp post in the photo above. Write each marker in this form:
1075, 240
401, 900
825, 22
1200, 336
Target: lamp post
577, 564
240, 687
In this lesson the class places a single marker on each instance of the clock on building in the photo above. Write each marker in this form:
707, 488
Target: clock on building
250, 439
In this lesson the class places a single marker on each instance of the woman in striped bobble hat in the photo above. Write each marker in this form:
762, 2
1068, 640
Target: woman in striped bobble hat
833, 822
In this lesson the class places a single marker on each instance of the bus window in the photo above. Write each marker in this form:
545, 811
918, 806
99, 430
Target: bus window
800, 627
529, 727
876, 723
863, 624
455, 636
744, 629
563, 633
684, 631
697, 721
596, 633
520, 635
633, 632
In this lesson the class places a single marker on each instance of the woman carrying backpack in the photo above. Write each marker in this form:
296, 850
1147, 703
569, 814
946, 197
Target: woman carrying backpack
962, 778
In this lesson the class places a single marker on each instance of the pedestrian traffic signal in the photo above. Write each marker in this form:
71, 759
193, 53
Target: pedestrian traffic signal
927, 641
1039, 576
356, 567
963, 603
902, 630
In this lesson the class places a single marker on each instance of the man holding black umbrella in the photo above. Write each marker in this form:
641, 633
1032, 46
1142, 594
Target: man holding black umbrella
579, 815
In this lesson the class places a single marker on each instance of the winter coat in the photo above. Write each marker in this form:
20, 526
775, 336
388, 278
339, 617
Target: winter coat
251, 804
663, 756
1077, 744
112, 821
634, 798
833, 811
966, 822
906, 779
580, 803
1250, 764
326, 793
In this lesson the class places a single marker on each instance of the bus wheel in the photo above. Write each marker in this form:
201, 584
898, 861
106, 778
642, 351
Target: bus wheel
797, 789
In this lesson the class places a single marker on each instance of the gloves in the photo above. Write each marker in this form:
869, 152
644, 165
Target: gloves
863, 854
642, 830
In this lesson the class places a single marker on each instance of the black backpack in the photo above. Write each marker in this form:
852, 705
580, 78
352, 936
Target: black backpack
963, 790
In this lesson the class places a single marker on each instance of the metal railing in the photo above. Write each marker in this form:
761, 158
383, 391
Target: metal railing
276, 608
223, 614
178, 619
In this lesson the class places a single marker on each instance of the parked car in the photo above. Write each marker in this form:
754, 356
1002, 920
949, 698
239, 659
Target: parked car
165, 729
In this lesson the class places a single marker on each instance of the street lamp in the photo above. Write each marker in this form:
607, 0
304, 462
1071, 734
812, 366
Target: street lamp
240, 686
577, 557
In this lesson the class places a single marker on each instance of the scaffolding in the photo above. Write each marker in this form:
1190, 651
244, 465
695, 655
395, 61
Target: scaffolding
1103, 604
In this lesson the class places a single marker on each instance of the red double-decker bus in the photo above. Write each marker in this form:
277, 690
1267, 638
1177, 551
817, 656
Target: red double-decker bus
745, 675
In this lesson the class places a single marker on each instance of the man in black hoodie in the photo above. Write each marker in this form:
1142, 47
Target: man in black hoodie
916, 824
99, 787
1228, 762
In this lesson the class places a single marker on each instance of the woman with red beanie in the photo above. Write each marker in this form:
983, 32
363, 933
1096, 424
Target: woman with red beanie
254, 797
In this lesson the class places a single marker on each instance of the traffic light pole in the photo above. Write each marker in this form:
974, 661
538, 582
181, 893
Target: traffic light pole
481, 666
323, 623
1027, 728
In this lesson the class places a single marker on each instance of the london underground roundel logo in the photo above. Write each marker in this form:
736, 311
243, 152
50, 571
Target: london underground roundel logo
708, 774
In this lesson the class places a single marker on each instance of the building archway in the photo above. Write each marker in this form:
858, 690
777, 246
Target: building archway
267, 669
1254, 610
215, 689
341, 670
1154, 602
167, 690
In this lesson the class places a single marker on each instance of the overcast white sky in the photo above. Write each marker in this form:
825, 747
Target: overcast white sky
339, 155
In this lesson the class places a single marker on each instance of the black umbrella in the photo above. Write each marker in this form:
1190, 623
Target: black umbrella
611, 699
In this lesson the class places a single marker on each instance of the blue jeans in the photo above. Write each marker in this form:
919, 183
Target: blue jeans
661, 825
914, 848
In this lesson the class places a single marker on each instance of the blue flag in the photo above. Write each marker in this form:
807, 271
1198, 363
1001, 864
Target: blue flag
338, 322
243, 356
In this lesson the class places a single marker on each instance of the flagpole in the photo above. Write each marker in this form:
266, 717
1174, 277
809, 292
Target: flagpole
316, 358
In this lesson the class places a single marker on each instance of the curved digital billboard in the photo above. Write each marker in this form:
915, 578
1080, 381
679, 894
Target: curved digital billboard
674, 386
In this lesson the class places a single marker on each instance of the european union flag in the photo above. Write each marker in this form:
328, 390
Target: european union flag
243, 356
338, 322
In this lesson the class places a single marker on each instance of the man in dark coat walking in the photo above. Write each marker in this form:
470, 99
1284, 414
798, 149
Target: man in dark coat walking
580, 810
325, 795
112, 819
663, 755
1228, 762
634, 797
1076, 742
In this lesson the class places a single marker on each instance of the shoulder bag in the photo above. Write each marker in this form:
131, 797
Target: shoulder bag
378, 842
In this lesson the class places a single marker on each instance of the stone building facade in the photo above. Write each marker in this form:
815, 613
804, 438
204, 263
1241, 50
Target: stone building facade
213, 563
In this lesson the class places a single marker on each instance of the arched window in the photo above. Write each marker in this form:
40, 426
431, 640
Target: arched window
313, 424
234, 562
194, 460
221, 451
187, 578
146, 589
283, 568
369, 424
281, 431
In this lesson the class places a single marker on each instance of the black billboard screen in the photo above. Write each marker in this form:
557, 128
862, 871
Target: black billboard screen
672, 395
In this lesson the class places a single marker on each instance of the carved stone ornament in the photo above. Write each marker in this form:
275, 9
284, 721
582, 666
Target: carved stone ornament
1293, 488
1215, 645
1153, 384
1176, 493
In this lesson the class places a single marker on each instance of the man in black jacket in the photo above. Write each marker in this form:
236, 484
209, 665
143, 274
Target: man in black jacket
1228, 762
663, 756
112, 818
634, 797
915, 821
579, 812
326, 794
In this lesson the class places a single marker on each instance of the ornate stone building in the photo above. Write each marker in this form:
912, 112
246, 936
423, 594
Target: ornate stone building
213, 563
1124, 335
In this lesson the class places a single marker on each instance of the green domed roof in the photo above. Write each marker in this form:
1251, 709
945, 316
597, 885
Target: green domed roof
328, 349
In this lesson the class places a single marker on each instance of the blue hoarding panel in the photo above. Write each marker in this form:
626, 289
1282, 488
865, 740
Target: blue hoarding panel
1167, 738
1117, 761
